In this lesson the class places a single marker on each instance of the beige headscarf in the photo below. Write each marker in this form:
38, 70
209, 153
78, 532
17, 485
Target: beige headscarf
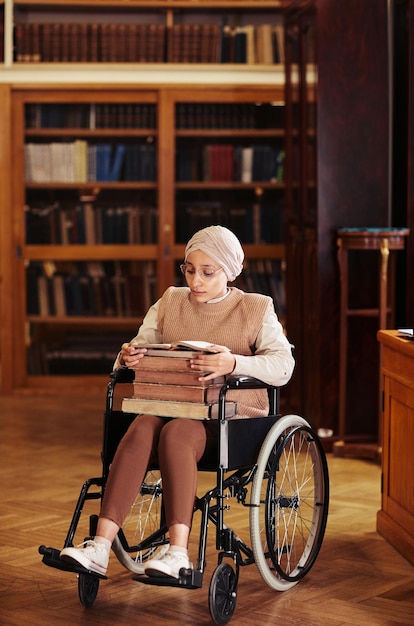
222, 246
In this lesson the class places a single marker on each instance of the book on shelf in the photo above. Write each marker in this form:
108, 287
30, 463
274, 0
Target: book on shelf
240, 45
264, 44
170, 408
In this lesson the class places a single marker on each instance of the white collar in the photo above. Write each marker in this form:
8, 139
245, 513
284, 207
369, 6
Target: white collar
214, 300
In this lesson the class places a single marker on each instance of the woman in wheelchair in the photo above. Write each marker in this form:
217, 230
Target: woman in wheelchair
247, 338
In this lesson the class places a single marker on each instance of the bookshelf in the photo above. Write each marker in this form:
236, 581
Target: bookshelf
142, 32
94, 236
66, 232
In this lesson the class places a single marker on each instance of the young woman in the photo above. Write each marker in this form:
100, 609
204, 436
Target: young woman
247, 338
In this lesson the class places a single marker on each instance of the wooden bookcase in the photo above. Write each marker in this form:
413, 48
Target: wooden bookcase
33, 82
44, 234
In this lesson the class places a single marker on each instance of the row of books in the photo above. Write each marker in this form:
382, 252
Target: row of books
89, 43
90, 115
257, 223
147, 43
97, 115
72, 360
94, 353
90, 289
89, 223
265, 276
80, 162
122, 288
75, 353
229, 163
252, 115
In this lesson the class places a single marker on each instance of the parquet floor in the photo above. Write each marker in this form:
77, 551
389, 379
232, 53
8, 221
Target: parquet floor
48, 447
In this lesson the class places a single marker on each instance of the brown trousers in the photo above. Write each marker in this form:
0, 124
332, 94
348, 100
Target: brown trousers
177, 445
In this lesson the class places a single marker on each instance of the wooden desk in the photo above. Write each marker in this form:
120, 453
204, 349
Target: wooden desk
395, 520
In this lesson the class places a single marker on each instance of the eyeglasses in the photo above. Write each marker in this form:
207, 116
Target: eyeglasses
205, 274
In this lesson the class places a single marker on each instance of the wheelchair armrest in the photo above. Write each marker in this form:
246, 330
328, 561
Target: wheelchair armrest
249, 382
123, 375
245, 382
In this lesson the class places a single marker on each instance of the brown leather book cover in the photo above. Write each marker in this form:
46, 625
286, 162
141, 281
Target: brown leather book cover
178, 393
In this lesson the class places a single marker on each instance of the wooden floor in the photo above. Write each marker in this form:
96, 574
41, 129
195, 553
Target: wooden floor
49, 447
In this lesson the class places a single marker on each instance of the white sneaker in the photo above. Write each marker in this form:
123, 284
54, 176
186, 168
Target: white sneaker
93, 556
168, 565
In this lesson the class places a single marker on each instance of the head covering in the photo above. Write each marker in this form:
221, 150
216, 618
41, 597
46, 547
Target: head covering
220, 244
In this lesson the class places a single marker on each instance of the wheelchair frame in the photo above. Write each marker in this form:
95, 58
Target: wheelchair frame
266, 447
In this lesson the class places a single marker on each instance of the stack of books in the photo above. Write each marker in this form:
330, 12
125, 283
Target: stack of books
165, 384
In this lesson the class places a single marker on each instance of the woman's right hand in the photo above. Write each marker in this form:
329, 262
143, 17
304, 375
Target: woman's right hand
131, 355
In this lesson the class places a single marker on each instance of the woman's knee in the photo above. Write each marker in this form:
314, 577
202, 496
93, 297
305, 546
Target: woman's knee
143, 428
183, 434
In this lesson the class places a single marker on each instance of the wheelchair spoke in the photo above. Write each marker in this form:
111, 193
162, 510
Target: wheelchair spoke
143, 522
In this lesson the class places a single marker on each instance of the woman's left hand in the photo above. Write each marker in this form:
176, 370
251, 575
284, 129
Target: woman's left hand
220, 363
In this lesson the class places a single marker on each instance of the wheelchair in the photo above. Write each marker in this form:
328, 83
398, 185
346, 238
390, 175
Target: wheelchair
274, 466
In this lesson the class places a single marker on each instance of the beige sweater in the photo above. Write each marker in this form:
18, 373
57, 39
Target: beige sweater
234, 322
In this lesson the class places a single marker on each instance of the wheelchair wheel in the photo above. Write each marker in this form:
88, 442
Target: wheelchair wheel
88, 586
222, 594
144, 519
290, 498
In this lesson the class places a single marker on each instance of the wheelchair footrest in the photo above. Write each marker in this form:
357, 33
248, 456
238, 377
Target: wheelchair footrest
52, 559
191, 579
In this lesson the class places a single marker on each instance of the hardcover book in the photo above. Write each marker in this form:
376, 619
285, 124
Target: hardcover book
167, 408
182, 393
180, 349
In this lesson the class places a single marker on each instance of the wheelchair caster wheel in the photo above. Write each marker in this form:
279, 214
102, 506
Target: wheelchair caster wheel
222, 594
88, 589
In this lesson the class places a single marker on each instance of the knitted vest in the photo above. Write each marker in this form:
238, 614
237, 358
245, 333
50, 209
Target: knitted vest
233, 322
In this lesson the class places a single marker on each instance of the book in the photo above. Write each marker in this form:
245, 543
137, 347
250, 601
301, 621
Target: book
179, 349
162, 363
173, 377
168, 408
208, 394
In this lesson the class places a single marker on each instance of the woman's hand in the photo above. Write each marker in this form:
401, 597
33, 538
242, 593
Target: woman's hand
131, 355
220, 363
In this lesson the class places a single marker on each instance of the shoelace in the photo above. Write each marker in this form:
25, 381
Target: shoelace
89, 543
